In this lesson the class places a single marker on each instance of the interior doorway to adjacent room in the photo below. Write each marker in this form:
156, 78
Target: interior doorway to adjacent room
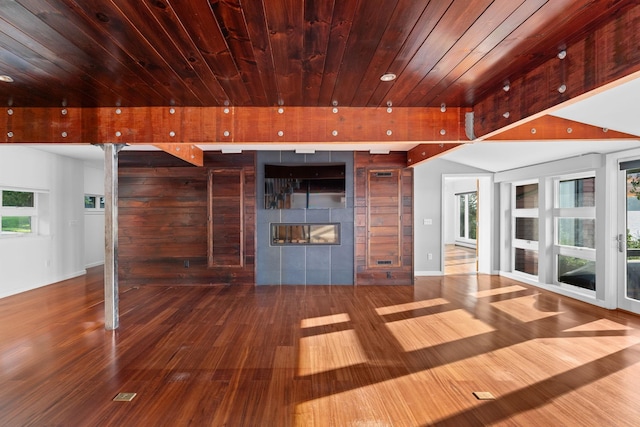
460, 260
466, 224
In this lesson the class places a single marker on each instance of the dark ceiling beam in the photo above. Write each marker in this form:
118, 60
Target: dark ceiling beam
209, 125
607, 54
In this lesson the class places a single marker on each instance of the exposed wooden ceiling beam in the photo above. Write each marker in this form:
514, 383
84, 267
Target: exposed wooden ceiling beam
210, 125
597, 59
556, 128
187, 152
423, 152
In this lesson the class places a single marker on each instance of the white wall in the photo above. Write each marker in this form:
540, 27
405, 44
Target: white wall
428, 187
93, 218
28, 262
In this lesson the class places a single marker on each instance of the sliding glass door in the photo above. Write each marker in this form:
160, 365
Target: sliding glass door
467, 217
629, 238
575, 232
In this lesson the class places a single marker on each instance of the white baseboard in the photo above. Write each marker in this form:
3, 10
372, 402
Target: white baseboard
40, 285
427, 273
94, 264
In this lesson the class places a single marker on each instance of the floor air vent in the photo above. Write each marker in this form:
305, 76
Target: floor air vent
124, 397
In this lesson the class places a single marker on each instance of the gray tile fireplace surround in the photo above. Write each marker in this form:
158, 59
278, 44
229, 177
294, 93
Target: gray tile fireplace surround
305, 264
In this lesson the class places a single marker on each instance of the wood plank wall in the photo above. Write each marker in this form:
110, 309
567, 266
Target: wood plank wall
163, 220
373, 216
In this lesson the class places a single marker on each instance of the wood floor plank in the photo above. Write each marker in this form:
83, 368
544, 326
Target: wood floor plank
317, 356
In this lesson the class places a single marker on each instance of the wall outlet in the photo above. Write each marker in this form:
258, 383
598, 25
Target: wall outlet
430, 256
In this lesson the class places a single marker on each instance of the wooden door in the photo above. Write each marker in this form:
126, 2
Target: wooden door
384, 218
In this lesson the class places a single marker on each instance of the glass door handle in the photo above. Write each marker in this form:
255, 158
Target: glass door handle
621, 243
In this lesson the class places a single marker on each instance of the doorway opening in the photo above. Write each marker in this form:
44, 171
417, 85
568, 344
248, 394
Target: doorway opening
460, 260
466, 224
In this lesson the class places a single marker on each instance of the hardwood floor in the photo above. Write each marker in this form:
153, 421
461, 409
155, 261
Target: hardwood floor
459, 260
317, 356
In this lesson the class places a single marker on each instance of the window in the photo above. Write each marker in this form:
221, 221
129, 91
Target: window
575, 231
525, 228
467, 204
93, 202
89, 202
18, 212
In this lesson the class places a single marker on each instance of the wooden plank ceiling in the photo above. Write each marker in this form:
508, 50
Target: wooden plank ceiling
255, 56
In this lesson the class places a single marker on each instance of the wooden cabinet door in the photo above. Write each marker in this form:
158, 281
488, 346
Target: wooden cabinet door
226, 219
384, 218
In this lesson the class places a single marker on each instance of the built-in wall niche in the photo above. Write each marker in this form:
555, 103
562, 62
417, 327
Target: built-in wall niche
308, 186
305, 234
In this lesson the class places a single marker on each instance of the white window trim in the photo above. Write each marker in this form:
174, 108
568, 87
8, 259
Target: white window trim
532, 245
30, 211
97, 208
462, 239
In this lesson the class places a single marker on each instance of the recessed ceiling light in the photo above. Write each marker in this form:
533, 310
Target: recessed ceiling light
6, 79
388, 77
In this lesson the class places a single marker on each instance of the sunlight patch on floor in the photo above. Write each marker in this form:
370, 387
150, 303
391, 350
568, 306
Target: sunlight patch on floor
415, 305
499, 291
525, 309
600, 325
578, 350
327, 352
439, 328
511, 371
312, 322
410, 398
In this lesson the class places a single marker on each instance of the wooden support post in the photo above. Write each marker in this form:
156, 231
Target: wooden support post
111, 320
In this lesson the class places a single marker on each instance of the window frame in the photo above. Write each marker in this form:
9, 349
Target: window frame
99, 200
20, 211
527, 245
467, 222
582, 212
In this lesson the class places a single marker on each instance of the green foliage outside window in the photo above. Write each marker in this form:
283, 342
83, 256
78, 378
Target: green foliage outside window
633, 241
473, 215
19, 199
16, 224
89, 202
